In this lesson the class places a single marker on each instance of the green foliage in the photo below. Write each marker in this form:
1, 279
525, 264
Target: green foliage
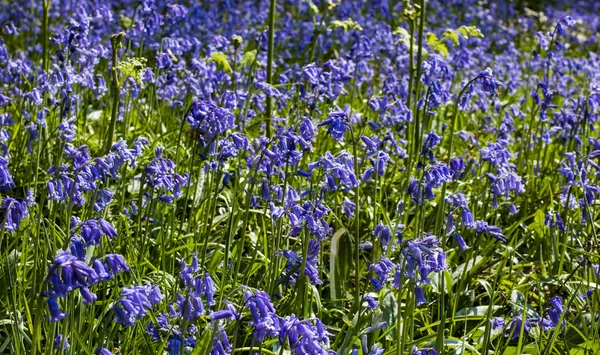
221, 60
439, 44
346, 25
132, 67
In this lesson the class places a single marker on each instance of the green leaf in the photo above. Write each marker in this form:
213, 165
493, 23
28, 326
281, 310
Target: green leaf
404, 36
469, 31
221, 59
204, 343
389, 310
132, 67
589, 347
339, 262
346, 25
436, 44
249, 57
452, 35
127, 22
478, 312
313, 8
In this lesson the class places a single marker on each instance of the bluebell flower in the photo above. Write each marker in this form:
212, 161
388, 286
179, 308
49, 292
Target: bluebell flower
496, 153
117, 263
6, 180
431, 141
514, 327
55, 313
383, 268
174, 346
496, 232
160, 174
423, 255
103, 351
423, 351
228, 313
264, 318
77, 248
87, 295
209, 289
380, 162
367, 175
370, 143
348, 207
14, 211
303, 336
488, 82
462, 245
311, 270
209, 120
371, 302
4, 100
67, 130
467, 218
497, 323
552, 320
376, 349
61, 342
67, 273
92, 230
563, 24
135, 302
336, 123
433, 177
419, 296
221, 345
103, 199
382, 232
102, 270
555, 221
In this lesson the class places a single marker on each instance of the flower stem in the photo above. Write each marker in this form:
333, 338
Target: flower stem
116, 45
270, 64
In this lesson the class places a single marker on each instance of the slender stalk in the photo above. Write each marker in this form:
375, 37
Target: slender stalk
45, 32
269, 112
356, 223
116, 90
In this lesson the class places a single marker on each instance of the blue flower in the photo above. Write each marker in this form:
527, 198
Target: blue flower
61, 342
423, 255
67, 273
135, 303
497, 323
311, 270
496, 232
264, 318
14, 211
117, 263
303, 336
6, 180
55, 313
103, 351
336, 123
371, 302
382, 232
228, 313
552, 320
174, 346
348, 207
423, 351
462, 245
514, 327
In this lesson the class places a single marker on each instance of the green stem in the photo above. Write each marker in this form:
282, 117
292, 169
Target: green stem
356, 224
270, 64
116, 89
